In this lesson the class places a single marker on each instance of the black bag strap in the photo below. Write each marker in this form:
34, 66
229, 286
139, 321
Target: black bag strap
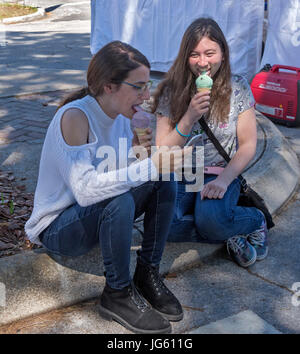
219, 147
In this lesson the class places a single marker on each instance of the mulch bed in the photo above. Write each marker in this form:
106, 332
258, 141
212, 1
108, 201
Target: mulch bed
15, 209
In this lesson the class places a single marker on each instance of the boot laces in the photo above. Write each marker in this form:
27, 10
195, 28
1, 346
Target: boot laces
137, 299
158, 282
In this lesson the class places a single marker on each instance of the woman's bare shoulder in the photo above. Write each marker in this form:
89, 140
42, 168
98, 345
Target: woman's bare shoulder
75, 127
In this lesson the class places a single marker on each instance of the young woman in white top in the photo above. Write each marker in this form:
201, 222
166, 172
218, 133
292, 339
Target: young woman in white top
78, 205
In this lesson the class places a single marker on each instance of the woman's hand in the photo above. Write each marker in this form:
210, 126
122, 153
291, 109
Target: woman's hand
214, 189
168, 160
199, 105
143, 140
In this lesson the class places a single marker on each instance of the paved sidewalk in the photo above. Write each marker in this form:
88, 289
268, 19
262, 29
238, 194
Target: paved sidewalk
23, 124
30, 89
26, 118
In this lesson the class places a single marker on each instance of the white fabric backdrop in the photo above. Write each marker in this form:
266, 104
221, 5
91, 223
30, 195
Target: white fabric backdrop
283, 36
155, 27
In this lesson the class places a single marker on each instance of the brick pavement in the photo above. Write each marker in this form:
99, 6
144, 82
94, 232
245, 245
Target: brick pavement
26, 118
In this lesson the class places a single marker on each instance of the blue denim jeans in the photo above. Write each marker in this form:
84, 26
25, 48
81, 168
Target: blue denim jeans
110, 222
211, 220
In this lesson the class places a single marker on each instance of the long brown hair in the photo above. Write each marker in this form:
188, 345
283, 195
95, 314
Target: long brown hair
111, 64
179, 81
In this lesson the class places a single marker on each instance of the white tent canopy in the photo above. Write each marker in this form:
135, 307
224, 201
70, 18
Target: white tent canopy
155, 27
283, 38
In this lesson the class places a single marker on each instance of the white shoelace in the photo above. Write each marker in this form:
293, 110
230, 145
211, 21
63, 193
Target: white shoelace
257, 238
236, 244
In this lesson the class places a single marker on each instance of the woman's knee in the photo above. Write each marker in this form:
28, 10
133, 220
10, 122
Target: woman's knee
212, 222
167, 189
120, 208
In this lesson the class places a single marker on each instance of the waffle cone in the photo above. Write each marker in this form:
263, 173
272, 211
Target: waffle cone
141, 131
202, 89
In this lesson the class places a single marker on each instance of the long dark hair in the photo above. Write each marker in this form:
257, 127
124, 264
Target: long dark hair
180, 81
111, 64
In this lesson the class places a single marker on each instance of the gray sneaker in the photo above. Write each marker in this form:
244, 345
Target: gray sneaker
241, 251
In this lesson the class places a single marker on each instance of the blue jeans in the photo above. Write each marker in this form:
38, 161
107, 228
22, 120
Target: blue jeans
211, 220
109, 223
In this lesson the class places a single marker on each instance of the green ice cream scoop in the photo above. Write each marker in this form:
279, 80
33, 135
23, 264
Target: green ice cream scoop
204, 82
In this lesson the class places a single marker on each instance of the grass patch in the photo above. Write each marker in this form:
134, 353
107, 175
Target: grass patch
13, 10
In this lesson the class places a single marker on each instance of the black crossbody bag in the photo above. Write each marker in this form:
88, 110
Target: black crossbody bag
248, 197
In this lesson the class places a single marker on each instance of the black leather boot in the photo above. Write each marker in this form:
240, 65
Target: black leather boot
130, 309
150, 284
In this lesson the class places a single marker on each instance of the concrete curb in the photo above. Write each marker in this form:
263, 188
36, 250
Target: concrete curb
37, 283
34, 16
275, 176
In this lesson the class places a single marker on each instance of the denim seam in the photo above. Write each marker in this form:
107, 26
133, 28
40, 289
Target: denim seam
111, 253
156, 226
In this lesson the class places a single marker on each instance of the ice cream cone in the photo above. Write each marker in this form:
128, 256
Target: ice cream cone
202, 89
204, 82
140, 122
140, 131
